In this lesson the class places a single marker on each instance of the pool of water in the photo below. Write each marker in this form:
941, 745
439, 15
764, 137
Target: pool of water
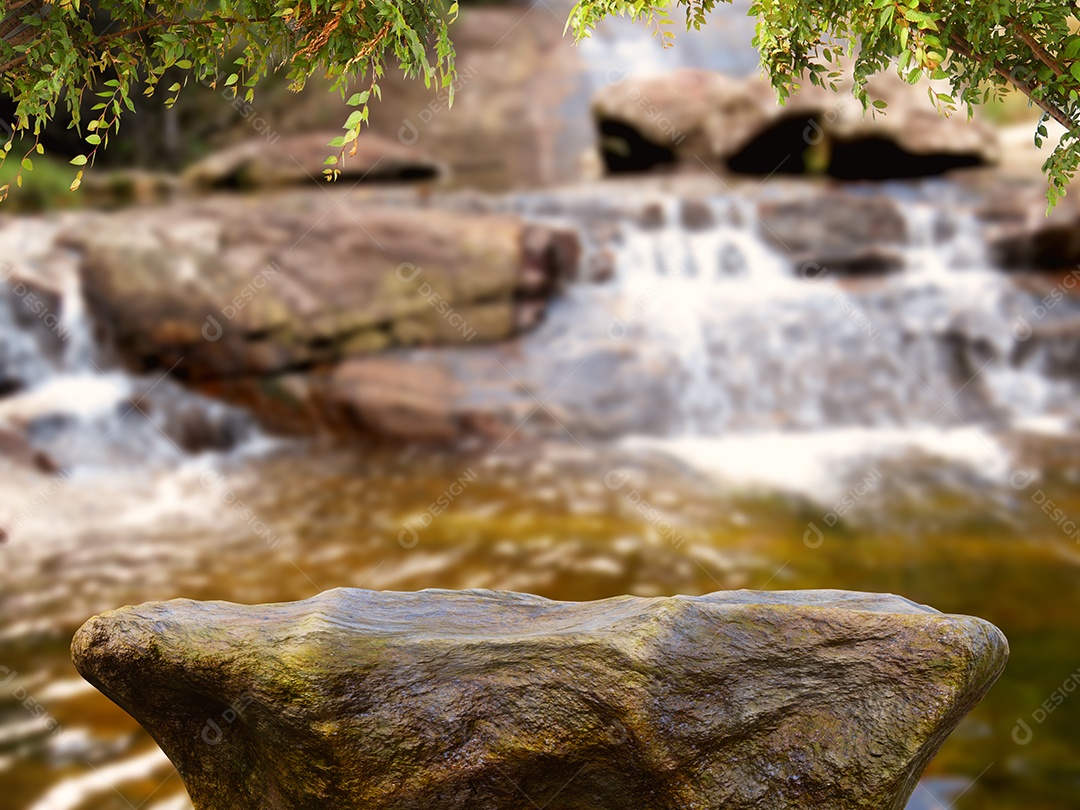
549, 518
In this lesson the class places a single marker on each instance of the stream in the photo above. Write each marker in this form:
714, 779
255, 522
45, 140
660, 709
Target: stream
709, 419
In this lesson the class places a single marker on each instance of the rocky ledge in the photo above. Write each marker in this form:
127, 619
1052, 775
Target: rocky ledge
241, 286
443, 700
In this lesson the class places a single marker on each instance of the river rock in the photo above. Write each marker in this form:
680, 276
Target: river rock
1022, 236
701, 119
910, 138
695, 115
295, 159
455, 700
16, 448
252, 287
836, 232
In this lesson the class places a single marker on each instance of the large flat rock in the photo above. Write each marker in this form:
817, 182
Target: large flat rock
482, 699
245, 287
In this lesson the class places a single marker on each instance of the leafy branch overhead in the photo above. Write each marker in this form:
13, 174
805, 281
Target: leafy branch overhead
53, 53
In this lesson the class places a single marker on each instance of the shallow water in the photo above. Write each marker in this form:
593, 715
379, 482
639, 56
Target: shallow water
552, 519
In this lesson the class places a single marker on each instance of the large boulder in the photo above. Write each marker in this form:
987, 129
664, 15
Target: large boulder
251, 287
685, 116
455, 700
908, 138
695, 118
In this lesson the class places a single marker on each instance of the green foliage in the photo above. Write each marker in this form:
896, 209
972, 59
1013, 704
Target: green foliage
49, 189
54, 53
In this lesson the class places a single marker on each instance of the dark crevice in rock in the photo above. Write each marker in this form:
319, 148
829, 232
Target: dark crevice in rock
882, 159
780, 149
1049, 247
626, 151
800, 144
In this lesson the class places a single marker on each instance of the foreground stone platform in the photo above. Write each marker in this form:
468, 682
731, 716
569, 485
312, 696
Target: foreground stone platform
440, 700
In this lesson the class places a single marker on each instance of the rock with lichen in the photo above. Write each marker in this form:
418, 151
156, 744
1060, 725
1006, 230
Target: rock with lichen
443, 700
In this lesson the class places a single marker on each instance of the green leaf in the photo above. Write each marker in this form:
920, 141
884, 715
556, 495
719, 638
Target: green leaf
78, 160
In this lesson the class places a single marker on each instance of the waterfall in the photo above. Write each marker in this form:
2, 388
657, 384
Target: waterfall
761, 362
64, 394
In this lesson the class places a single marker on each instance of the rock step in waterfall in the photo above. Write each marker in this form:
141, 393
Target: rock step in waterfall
452, 700
689, 315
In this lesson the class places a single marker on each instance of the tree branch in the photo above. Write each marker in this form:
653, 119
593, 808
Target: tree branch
963, 47
1036, 48
15, 18
104, 40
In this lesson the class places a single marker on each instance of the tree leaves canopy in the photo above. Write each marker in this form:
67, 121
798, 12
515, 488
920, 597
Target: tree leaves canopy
54, 53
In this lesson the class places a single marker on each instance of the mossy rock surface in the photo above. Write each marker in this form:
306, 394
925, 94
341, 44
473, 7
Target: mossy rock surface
481, 699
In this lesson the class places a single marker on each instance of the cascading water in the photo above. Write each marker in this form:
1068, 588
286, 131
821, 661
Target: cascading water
65, 395
763, 362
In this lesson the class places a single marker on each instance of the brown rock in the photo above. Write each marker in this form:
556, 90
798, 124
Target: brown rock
698, 115
836, 232
696, 215
700, 119
1023, 237
390, 398
296, 159
505, 129
460, 700
16, 448
234, 287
